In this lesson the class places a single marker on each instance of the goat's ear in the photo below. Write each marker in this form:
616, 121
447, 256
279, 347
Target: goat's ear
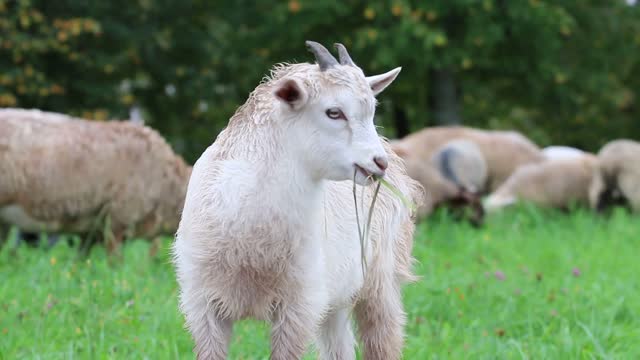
292, 93
380, 82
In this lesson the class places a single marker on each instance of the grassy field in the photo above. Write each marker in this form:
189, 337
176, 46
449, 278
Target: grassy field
528, 285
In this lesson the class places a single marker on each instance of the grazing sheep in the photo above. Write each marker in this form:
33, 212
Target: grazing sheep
461, 162
438, 190
552, 183
618, 175
503, 151
562, 152
269, 229
63, 174
441, 192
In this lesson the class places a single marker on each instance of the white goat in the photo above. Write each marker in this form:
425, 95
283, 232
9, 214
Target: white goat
269, 228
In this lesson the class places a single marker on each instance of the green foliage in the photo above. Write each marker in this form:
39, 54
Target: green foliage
563, 72
530, 284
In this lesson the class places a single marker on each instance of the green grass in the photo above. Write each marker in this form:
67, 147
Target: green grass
530, 284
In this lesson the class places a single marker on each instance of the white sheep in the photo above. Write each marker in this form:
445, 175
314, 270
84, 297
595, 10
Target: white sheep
269, 226
63, 174
462, 162
503, 151
617, 175
557, 183
561, 152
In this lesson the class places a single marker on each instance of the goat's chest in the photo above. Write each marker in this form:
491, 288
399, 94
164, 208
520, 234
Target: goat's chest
343, 272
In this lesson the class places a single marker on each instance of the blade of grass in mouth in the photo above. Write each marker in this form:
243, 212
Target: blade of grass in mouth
363, 234
408, 203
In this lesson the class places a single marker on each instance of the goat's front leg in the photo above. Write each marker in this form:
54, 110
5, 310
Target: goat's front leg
336, 340
293, 327
381, 319
210, 332
212, 335
296, 318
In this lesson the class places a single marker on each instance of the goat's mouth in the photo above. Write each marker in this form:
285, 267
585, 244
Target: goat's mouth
367, 174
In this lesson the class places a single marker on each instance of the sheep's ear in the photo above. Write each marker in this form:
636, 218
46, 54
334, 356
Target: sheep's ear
292, 93
380, 82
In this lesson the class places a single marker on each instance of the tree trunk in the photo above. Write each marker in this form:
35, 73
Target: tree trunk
401, 121
443, 97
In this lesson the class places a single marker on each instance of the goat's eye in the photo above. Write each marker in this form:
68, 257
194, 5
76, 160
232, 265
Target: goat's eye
335, 113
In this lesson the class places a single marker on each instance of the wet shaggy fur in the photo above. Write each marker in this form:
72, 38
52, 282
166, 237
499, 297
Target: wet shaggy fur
64, 174
287, 250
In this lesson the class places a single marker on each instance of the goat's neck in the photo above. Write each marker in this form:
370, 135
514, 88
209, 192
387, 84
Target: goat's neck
285, 188
291, 189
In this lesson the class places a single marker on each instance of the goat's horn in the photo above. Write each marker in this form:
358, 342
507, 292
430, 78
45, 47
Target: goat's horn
343, 55
323, 56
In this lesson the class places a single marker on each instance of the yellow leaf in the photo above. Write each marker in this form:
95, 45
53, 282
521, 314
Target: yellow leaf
100, 115
53, 261
487, 5
127, 99
56, 89
294, 6
432, 15
369, 13
560, 78
440, 40
7, 100
76, 27
24, 20
396, 10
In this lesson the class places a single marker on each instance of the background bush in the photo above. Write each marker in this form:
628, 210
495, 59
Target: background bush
562, 71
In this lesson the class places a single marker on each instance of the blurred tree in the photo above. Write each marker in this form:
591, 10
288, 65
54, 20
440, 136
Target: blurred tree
98, 59
561, 71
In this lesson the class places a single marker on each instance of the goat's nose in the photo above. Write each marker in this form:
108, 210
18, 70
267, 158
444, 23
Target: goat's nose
382, 162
